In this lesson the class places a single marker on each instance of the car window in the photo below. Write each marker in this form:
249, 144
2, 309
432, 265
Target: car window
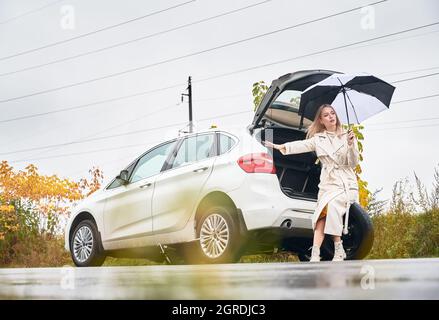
226, 143
285, 109
194, 149
152, 162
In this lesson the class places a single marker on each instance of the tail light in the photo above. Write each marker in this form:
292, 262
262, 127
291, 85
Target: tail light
260, 162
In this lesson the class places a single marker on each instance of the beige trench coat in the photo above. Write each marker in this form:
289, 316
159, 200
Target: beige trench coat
338, 185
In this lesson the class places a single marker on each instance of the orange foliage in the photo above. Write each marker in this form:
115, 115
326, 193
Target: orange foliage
39, 196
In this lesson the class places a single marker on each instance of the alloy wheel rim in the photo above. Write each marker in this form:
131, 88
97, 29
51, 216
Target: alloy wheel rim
83, 244
214, 236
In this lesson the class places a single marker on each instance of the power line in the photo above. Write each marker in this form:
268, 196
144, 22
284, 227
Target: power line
180, 123
170, 30
101, 164
410, 127
312, 54
418, 77
81, 106
119, 134
402, 38
248, 111
95, 31
410, 71
229, 73
205, 51
30, 12
419, 98
385, 75
84, 139
133, 40
83, 152
402, 121
209, 118
177, 124
412, 120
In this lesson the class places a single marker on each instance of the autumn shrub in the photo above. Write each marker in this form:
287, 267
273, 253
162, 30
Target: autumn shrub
410, 227
33, 211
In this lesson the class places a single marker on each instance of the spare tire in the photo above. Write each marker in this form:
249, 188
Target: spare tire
359, 240
357, 243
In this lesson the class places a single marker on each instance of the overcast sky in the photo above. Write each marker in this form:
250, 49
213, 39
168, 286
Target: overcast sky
397, 142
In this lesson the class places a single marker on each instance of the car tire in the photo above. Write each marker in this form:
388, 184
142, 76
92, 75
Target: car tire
85, 246
357, 243
218, 238
359, 240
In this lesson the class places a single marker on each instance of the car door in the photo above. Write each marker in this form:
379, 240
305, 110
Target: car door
177, 189
127, 212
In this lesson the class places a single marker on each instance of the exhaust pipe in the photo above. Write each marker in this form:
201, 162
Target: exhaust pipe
288, 224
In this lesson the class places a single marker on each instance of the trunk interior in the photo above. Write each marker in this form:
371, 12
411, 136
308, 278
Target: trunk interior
298, 174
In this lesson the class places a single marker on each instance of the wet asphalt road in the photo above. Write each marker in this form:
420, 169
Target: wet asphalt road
366, 279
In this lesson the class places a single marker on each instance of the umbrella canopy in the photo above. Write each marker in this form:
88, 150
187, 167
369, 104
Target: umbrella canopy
355, 97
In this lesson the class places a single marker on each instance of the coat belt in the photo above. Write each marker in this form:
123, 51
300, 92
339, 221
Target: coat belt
335, 166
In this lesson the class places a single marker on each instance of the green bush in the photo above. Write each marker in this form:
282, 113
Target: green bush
406, 235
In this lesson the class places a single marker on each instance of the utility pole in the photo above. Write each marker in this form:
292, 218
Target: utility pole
189, 95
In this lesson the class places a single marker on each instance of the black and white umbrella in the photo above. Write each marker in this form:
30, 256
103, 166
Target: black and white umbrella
355, 97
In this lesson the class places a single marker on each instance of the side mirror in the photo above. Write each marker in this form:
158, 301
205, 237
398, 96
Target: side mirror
123, 176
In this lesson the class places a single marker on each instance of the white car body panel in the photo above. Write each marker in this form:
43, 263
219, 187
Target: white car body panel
175, 195
164, 213
128, 210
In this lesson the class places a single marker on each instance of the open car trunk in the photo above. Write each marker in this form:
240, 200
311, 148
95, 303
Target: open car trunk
279, 119
298, 174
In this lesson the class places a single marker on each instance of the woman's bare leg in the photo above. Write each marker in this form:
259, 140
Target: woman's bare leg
336, 238
318, 232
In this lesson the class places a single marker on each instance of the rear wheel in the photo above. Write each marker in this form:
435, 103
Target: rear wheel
85, 245
218, 238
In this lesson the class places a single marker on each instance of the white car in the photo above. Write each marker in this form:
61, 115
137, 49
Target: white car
213, 196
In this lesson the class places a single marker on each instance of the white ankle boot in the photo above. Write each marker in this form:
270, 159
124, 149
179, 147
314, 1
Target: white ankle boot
339, 253
315, 254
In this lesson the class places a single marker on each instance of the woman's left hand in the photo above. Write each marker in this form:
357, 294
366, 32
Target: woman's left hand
350, 137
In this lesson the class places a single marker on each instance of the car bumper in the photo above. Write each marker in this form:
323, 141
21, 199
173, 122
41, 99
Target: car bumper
67, 235
264, 205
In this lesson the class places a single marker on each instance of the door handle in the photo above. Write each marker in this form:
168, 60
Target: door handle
148, 184
201, 169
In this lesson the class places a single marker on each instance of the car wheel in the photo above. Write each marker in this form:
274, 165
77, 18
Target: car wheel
359, 240
85, 245
218, 238
357, 243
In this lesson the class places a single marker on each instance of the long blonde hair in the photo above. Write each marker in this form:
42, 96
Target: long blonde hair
316, 126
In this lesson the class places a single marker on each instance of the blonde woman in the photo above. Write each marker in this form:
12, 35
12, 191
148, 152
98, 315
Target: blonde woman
338, 153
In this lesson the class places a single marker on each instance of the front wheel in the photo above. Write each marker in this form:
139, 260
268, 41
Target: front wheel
85, 246
218, 238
